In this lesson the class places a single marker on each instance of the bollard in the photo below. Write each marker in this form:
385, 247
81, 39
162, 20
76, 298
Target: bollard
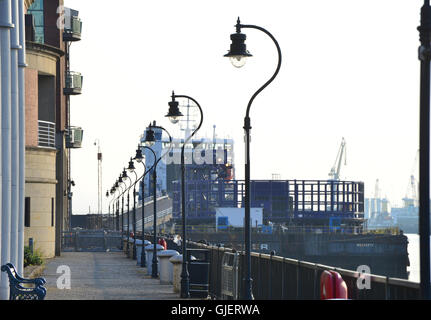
124, 245
130, 251
177, 262
166, 268
149, 250
143, 259
31, 245
138, 251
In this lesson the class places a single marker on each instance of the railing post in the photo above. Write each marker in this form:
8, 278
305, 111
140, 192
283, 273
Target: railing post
219, 266
387, 294
76, 241
270, 275
282, 278
297, 279
259, 280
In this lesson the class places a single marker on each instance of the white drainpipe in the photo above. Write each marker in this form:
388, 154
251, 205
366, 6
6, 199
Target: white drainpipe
21, 112
15, 135
5, 27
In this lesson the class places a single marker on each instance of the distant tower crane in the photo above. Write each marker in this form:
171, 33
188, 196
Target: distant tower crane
411, 198
335, 170
99, 177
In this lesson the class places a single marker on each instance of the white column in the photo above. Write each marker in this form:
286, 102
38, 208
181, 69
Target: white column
15, 135
5, 61
21, 112
1, 172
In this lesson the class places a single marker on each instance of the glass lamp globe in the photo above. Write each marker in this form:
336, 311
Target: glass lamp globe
238, 61
174, 119
150, 143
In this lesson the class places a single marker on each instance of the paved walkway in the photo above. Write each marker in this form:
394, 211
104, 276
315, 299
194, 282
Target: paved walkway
103, 276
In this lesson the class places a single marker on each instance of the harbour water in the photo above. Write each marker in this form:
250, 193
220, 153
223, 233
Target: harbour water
413, 250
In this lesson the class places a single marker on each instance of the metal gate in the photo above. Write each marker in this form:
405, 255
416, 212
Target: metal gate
91, 241
229, 276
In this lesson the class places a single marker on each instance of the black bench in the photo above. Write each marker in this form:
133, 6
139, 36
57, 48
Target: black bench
17, 291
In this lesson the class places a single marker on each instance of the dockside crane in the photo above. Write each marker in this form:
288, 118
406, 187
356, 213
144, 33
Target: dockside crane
411, 198
99, 177
335, 170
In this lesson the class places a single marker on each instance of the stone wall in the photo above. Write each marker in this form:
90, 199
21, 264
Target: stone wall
40, 188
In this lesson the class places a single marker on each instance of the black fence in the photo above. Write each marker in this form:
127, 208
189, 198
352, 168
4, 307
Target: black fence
280, 278
91, 240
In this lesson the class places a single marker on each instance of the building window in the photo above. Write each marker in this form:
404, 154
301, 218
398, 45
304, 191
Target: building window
36, 10
52, 212
27, 212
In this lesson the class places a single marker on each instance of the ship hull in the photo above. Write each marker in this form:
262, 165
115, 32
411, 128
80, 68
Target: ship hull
383, 254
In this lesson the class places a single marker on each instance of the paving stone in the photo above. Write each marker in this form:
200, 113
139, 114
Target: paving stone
103, 276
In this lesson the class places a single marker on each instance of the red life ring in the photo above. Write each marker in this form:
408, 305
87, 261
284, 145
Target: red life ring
332, 286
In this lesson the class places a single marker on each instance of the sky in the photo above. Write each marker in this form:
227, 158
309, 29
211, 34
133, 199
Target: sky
349, 69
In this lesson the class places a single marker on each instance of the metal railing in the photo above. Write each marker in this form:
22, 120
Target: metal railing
91, 240
280, 278
46, 134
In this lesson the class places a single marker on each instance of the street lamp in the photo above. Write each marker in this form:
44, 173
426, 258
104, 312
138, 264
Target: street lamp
150, 140
120, 179
109, 209
140, 159
131, 168
174, 114
125, 176
118, 187
112, 219
424, 146
238, 54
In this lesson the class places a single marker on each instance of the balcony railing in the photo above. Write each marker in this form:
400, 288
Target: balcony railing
73, 83
72, 26
74, 137
46, 134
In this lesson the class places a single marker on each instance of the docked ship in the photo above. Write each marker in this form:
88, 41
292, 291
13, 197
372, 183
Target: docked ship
320, 221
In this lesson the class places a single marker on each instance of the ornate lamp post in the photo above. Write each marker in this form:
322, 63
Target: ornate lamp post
424, 146
118, 187
131, 168
238, 55
125, 176
109, 210
174, 114
112, 223
140, 159
150, 140
120, 179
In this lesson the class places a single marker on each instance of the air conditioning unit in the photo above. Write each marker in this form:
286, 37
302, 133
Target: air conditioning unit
74, 137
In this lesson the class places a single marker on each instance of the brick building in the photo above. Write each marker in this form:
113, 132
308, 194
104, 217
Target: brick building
49, 136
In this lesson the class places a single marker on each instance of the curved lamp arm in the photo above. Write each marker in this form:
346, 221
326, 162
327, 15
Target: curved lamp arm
113, 195
125, 186
278, 65
145, 168
200, 110
120, 191
170, 145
